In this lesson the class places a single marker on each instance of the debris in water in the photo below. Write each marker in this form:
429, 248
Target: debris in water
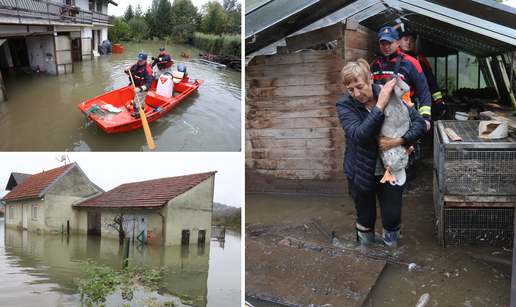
412, 266
423, 300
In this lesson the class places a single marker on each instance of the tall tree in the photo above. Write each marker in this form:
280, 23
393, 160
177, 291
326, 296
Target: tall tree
184, 12
138, 11
234, 23
162, 18
128, 14
214, 18
184, 20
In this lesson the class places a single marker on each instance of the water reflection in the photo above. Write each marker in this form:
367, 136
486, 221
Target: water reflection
38, 270
42, 115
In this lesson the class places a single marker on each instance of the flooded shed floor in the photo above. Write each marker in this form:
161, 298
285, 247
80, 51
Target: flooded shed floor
452, 276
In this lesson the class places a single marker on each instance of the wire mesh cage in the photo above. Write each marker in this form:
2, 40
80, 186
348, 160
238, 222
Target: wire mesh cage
475, 166
478, 226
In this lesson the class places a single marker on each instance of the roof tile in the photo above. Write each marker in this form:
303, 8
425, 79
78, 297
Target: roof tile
35, 184
148, 194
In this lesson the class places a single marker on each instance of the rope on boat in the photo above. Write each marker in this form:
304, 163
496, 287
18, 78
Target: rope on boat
95, 113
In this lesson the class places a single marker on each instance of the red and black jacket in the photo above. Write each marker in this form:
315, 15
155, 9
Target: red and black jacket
432, 83
409, 71
142, 75
164, 61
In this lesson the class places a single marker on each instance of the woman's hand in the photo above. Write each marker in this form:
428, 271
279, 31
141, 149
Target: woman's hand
385, 94
385, 143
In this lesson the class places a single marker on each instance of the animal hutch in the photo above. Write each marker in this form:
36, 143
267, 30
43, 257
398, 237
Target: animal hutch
474, 185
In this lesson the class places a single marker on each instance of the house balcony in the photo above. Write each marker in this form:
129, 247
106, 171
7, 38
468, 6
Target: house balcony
49, 13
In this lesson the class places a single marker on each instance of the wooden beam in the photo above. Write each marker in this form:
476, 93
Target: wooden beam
292, 70
292, 102
315, 37
295, 123
296, 91
281, 49
320, 78
334, 174
304, 133
333, 186
313, 153
298, 114
294, 164
294, 58
293, 143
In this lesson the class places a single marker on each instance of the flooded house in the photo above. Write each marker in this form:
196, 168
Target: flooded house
175, 210
47, 36
295, 143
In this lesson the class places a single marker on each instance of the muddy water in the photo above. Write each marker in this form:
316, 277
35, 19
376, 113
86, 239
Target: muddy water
38, 270
451, 277
41, 113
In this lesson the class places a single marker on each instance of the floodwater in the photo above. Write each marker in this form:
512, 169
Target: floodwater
38, 270
41, 112
451, 276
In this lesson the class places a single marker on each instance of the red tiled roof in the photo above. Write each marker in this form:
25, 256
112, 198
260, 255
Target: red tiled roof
146, 194
35, 184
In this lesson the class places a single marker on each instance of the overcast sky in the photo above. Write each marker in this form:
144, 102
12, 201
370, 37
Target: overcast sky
109, 170
122, 5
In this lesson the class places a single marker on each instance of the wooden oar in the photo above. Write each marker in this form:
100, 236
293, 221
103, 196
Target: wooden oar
146, 129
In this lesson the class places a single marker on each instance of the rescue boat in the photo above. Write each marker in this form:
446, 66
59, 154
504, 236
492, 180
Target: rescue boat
112, 111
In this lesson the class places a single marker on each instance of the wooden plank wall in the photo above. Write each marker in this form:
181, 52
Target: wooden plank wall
294, 142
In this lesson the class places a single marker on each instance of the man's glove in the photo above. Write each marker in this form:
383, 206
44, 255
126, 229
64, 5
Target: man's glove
126, 72
153, 58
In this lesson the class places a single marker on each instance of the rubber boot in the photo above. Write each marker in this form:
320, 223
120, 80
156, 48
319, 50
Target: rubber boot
365, 235
390, 238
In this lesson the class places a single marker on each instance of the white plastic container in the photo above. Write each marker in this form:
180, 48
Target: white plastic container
461, 116
165, 86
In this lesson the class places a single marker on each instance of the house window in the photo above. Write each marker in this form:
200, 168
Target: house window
11, 212
69, 2
91, 5
35, 213
99, 6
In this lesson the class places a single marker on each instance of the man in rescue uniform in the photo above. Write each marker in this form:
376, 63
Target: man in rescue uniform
142, 76
393, 61
164, 62
407, 44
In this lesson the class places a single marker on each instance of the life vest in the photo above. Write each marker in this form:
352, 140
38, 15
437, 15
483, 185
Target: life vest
164, 63
140, 74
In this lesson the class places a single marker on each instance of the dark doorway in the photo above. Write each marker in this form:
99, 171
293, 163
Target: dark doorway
185, 236
19, 53
94, 223
202, 236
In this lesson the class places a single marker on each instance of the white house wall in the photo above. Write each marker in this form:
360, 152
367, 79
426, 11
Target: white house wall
17, 221
191, 210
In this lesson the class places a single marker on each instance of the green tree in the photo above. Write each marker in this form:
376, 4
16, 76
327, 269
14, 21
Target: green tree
149, 19
234, 23
184, 19
138, 11
138, 28
128, 14
214, 19
162, 18
118, 30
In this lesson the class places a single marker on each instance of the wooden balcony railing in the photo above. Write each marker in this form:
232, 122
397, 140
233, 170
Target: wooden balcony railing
51, 12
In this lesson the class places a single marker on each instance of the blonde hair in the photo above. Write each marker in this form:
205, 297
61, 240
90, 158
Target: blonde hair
355, 70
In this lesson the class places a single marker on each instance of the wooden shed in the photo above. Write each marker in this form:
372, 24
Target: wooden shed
294, 140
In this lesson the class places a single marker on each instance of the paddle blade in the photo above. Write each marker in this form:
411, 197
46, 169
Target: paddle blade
146, 129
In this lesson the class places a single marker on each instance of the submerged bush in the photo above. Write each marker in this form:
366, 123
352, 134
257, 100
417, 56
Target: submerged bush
101, 281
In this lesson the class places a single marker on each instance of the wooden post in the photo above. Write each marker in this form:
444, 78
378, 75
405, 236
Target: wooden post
68, 227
